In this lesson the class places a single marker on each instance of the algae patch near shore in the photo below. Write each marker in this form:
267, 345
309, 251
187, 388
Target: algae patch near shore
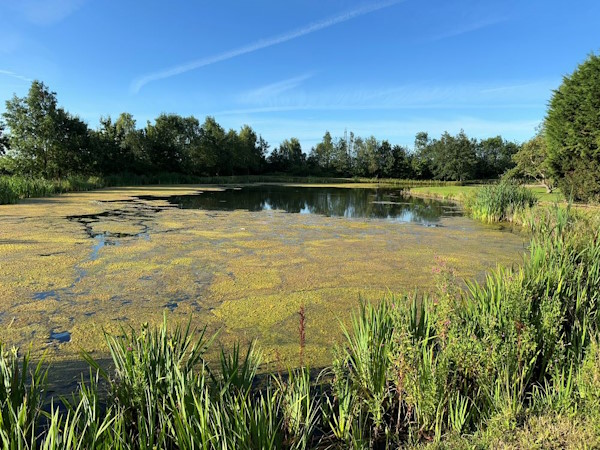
108, 259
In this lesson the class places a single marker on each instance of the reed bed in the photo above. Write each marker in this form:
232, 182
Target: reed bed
15, 188
500, 202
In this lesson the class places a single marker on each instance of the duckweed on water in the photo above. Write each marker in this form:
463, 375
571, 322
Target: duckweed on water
245, 273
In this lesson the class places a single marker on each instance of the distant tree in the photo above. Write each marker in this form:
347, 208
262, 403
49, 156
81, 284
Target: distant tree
324, 152
531, 161
573, 132
263, 149
494, 157
352, 153
402, 165
171, 143
250, 156
421, 163
453, 157
73, 151
367, 163
288, 157
385, 159
341, 162
130, 141
118, 146
211, 153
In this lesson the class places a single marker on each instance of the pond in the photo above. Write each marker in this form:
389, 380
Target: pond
239, 260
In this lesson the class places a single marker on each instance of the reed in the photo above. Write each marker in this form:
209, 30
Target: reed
500, 202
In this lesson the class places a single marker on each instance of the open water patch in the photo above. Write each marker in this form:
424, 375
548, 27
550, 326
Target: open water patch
60, 336
382, 203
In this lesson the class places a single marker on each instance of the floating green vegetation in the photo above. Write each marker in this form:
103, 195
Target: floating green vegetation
84, 262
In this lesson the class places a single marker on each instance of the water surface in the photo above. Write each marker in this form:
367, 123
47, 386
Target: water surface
382, 203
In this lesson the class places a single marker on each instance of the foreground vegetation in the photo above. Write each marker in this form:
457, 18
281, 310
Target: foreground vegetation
513, 361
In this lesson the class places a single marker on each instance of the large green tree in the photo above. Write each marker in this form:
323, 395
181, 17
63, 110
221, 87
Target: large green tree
573, 132
250, 156
421, 163
170, 141
324, 152
341, 157
402, 163
44, 139
211, 155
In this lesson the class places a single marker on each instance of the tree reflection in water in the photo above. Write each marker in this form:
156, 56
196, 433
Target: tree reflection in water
382, 203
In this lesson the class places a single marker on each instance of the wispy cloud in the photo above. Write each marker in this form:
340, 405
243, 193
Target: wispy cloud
45, 12
8, 73
468, 28
517, 95
273, 89
258, 45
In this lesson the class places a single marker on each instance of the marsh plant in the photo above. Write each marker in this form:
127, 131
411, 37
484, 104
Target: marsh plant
500, 202
15, 188
511, 362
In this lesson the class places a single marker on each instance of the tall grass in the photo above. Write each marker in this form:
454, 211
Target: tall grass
479, 367
15, 188
500, 202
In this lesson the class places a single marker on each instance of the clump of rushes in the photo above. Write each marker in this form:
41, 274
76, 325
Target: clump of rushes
500, 202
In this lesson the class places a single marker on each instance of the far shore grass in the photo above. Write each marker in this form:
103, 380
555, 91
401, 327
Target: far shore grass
459, 193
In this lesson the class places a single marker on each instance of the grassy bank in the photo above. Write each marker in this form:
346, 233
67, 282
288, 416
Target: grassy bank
512, 362
460, 193
525, 206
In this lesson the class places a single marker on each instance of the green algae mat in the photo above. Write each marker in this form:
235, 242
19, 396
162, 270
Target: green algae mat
241, 261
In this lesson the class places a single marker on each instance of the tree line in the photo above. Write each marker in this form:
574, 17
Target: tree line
40, 138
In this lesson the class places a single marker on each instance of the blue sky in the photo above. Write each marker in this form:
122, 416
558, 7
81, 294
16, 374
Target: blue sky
300, 67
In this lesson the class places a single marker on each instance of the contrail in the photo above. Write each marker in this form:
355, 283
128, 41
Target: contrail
137, 84
14, 75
